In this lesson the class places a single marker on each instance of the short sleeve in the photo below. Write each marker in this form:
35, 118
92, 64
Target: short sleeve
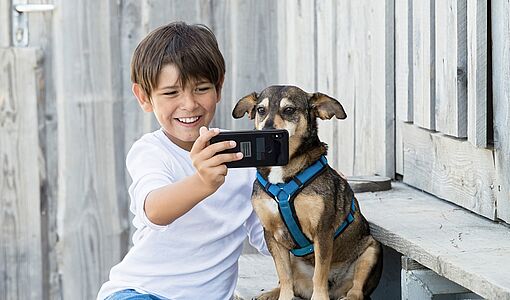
149, 169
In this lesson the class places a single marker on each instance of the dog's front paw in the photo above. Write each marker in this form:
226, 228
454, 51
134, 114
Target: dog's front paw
353, 295
271, 295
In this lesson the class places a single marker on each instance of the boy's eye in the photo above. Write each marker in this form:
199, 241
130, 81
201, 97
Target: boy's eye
171, 93
202, 89
261, 110
289, 110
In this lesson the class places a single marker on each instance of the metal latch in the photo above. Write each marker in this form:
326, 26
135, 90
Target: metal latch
20, 20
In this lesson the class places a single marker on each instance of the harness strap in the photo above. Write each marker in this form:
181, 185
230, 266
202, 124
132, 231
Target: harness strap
284, 193
309, 248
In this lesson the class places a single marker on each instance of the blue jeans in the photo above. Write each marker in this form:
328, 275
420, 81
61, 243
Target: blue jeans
131, 295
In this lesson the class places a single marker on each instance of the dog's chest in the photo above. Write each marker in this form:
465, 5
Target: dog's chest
308, 210
267, 210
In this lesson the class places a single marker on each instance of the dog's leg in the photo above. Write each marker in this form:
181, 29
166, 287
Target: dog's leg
364, 270
323, 249
281, 257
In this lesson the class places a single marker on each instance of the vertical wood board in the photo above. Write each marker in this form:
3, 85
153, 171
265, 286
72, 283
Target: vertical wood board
20, 174
477, 22
365, 59
40, 35
424, 64
297, 53
5, 23
501, 97
326, 70
404, 60
347, 68
451, 67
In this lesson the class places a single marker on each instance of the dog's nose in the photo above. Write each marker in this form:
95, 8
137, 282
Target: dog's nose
269, 124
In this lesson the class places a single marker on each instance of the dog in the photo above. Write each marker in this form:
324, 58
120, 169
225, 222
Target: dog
345, 261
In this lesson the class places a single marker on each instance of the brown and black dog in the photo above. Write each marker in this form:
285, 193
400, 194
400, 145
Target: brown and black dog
346, 267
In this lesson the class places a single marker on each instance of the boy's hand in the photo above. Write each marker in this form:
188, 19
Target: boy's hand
210, 166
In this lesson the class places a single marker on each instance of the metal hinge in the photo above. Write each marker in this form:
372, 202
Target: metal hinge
20, 20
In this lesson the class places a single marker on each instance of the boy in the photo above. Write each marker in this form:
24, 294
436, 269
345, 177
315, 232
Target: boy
191, 214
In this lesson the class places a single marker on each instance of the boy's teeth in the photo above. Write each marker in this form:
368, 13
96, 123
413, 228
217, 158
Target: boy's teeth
188, 120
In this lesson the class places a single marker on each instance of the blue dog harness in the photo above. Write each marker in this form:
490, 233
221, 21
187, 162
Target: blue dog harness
284, 194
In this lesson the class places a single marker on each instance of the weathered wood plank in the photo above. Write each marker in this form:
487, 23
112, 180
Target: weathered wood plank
132, 31
451, 67
403, 74
465, 248
90, 232
21, 174
501, 97
477, 23
326, 72
297, 52
134, 120
5, 23
450, 169
404, 60
366, 87
40, 28
347, 69
424, 64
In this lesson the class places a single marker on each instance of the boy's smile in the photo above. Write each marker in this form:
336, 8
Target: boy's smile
181, 111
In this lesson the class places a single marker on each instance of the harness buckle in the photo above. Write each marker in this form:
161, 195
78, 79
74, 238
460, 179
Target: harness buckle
277, 196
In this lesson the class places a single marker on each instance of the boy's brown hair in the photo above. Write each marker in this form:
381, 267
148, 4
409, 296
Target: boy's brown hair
193, 49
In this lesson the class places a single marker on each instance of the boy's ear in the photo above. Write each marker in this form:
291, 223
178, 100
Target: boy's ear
325, 107
245, 105
142, 98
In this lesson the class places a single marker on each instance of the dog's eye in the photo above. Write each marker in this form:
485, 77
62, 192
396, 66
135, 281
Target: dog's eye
261, 110
289, 110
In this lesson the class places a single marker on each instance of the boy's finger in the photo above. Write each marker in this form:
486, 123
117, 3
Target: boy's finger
203, 138
212, 149
223, 158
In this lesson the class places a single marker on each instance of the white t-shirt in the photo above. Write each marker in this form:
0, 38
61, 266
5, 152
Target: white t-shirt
194, 257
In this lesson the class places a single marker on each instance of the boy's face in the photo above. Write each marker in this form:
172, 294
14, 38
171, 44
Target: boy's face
181, 112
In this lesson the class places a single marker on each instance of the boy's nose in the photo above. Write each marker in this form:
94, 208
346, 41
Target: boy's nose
188, 102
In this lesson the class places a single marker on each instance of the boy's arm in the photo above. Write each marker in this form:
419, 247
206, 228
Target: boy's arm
255, 233
164, 205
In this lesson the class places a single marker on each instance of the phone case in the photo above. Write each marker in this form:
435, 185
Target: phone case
259, 147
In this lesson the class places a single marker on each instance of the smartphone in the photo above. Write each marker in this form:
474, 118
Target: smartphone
259, 147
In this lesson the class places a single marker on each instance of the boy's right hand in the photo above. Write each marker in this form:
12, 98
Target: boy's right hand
211, 168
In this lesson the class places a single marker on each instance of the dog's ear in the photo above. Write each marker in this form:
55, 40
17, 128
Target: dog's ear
245, 105
325, 107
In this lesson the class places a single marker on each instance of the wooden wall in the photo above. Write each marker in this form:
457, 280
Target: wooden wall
441, 60
64, 198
